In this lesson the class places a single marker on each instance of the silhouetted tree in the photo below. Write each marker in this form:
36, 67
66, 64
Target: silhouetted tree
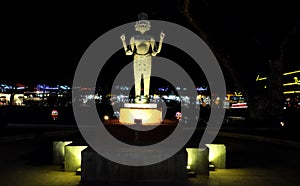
210, 18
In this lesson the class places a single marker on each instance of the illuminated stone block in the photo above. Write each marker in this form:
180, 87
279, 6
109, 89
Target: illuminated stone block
198, 160
97, 170
147, 116
73, 156
59, 151
217, 155
145, 105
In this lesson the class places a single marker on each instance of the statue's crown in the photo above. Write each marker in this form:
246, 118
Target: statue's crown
142, 16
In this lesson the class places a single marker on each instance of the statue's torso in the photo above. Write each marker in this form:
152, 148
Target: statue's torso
142, 44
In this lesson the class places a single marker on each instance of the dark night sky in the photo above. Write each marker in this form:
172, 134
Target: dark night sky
43, 42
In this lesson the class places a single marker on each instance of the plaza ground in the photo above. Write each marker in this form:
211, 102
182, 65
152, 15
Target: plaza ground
250, 162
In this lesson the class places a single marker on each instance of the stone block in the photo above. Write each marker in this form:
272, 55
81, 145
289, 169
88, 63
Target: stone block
96, 169
148, 116
217, 155
59, 151
198, 160
73, 156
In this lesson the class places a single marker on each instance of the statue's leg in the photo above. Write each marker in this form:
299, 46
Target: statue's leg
147, 74
137, 75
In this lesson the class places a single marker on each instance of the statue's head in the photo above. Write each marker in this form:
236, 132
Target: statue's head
142, 25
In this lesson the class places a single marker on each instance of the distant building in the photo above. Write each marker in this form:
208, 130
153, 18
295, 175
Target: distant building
41, 95
291, 87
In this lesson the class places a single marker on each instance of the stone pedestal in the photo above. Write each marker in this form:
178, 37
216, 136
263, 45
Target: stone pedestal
198, 160
145, 114
140, 105
73, 156
217, 155
59, 151
96, 169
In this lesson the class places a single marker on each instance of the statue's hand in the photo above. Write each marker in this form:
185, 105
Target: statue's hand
162, 35
123, 37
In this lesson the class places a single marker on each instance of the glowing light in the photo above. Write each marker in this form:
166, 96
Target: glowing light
294, 72
188, 167
201, 89
54, 114
191, 155
238, 94
239, 105
106, 117
297, 82
155, 96
199, 97
291, 92
259, 78
178, 115
288, 84
282, 124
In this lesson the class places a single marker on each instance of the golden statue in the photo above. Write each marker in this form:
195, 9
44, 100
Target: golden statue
143, 47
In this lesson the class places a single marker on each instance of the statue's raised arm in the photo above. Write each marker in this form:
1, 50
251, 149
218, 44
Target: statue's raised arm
127, 51
155, 52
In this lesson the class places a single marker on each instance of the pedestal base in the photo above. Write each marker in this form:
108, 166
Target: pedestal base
98, 170
145, 114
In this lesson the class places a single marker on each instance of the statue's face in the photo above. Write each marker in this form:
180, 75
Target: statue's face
142, 26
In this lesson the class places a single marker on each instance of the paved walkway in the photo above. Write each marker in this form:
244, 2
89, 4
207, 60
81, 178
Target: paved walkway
27, 162
248, 177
